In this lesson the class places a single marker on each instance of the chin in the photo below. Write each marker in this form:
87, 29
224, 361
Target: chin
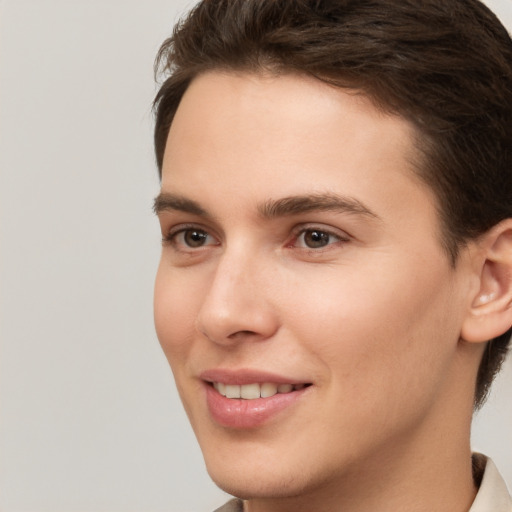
249, 478
257, 486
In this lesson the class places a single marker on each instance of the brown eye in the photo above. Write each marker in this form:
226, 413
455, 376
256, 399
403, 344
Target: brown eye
194, 237
316, 239
187, 239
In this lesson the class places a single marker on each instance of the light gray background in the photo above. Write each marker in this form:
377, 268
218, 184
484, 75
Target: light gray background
90, 420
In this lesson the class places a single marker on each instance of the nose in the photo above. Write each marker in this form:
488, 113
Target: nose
237, 305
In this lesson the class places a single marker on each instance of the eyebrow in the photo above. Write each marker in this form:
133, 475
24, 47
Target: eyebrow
295, 205
273, 208
166, 202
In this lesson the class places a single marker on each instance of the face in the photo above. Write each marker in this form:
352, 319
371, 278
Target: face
307, 309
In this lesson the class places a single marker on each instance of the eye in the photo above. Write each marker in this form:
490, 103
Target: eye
316, 238
190, 238
194, 237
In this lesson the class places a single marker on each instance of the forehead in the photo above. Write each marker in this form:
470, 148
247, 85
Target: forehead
290, 104
260, 136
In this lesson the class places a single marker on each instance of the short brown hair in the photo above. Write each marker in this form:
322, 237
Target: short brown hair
445, 65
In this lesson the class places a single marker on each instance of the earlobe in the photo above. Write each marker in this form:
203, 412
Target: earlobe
490, 312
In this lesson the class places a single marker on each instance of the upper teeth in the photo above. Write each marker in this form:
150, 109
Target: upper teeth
252, 391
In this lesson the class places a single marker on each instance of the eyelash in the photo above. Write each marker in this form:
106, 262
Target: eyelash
172, 238
302, 231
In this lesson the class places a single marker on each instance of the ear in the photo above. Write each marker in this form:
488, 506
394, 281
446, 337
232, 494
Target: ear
490, 313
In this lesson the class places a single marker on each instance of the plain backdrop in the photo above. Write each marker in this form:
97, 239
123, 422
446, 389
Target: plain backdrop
90, 420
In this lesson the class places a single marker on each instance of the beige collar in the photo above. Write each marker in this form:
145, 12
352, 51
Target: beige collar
493, 495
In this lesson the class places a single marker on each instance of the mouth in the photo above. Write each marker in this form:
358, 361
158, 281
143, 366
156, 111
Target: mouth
255, 390
251, 399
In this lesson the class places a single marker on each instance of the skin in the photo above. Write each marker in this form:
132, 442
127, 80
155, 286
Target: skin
372, 320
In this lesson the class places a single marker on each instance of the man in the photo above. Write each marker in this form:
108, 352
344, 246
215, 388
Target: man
334, 294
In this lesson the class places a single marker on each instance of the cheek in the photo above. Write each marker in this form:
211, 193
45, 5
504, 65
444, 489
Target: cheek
382, 357
175, 311
373, 331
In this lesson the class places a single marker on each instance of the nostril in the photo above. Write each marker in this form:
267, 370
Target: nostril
240, 334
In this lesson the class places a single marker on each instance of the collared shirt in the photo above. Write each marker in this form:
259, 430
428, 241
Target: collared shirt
492, 496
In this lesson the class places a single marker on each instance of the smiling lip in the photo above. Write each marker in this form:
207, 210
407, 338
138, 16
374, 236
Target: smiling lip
241, 413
